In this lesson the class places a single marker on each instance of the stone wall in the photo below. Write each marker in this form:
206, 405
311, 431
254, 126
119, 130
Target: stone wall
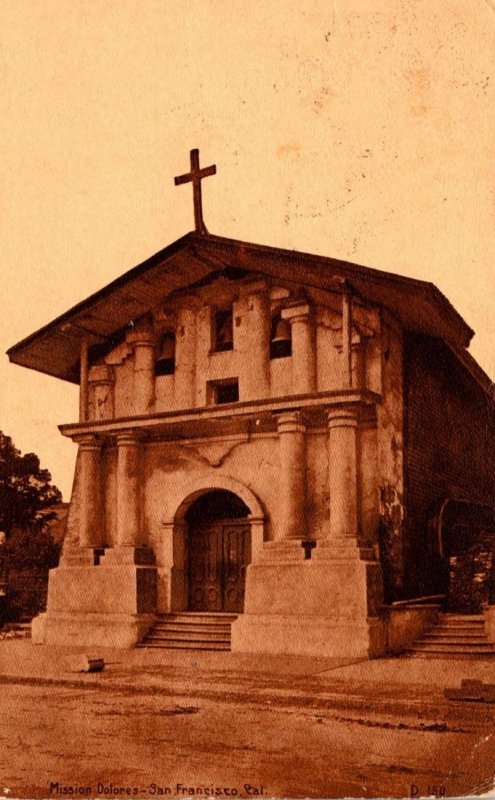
390, 488
170, 468
450, 451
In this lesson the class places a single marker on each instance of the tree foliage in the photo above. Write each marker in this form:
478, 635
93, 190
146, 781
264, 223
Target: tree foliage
26, 491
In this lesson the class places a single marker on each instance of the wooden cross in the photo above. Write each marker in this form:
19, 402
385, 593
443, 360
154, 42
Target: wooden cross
195, 176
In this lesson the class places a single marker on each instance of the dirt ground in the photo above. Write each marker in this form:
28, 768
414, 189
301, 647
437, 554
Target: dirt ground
62, 741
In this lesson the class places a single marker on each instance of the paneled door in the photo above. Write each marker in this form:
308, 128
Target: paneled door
218, 554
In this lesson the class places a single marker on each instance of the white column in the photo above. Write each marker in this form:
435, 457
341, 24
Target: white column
127, 490
302, 323
144, 371
342, 423
292, 472
185, 356
347, 338
90, 522
101, 380
83, 382
255, 369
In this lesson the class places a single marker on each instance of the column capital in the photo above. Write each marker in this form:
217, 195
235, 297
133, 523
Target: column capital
143, 338
343, 417
290, 422
254, 288
297, 313
189, 303
101, 374
127, 439
87, 441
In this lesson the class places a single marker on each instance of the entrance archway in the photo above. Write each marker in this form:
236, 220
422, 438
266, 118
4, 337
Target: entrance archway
218, 551
173, 595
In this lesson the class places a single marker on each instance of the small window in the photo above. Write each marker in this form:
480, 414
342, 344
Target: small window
280, 339
223, 331
221, 392
165, 363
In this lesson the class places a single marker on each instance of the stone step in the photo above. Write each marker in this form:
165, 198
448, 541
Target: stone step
199, 636
185, 645
451, 655
454, 635
204, 617
168, 627
475, 624
467, 628
484, 649
200, 630
16, 630
449, 644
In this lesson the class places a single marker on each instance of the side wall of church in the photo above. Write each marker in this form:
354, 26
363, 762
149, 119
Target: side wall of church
450, 453
390, 459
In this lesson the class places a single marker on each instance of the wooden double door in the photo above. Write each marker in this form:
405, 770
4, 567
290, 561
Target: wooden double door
218, 554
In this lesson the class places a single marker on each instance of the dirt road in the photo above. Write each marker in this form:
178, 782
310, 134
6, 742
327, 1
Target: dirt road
68, 742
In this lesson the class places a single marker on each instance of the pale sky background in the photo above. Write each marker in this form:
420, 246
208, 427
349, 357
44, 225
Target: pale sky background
360, 129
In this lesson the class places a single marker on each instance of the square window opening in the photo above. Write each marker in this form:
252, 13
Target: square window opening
222, 392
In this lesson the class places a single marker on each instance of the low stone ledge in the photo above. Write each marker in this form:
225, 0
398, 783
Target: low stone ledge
404, 624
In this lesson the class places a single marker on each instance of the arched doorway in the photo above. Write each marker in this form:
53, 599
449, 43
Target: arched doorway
218, 550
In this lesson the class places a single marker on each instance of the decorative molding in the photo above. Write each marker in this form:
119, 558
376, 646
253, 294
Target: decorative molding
215, 453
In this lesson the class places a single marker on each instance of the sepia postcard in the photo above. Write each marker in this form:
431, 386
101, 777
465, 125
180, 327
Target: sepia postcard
247, 439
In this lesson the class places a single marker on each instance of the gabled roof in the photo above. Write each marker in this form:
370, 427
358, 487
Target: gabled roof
55, 348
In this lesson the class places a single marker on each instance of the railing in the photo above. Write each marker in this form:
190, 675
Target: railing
413, 601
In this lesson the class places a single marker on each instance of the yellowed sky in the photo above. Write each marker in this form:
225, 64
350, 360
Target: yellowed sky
361, 129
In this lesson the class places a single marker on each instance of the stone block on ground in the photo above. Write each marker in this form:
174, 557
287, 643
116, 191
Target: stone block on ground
85, 663
472, 690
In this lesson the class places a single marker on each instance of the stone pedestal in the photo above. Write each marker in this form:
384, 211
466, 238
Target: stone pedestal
323, 600
311, 606
326, 605
101, 606
103, 597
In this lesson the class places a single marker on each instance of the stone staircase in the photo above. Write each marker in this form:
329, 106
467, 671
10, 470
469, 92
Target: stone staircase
455, 636
190, 630
16, 630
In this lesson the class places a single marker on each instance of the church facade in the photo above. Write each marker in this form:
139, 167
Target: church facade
296, 442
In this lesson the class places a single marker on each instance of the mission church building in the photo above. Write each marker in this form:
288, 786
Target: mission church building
277, 452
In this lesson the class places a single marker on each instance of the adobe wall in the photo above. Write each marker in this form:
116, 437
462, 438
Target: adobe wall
169, 468
390, 461
450, 449
114, 379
